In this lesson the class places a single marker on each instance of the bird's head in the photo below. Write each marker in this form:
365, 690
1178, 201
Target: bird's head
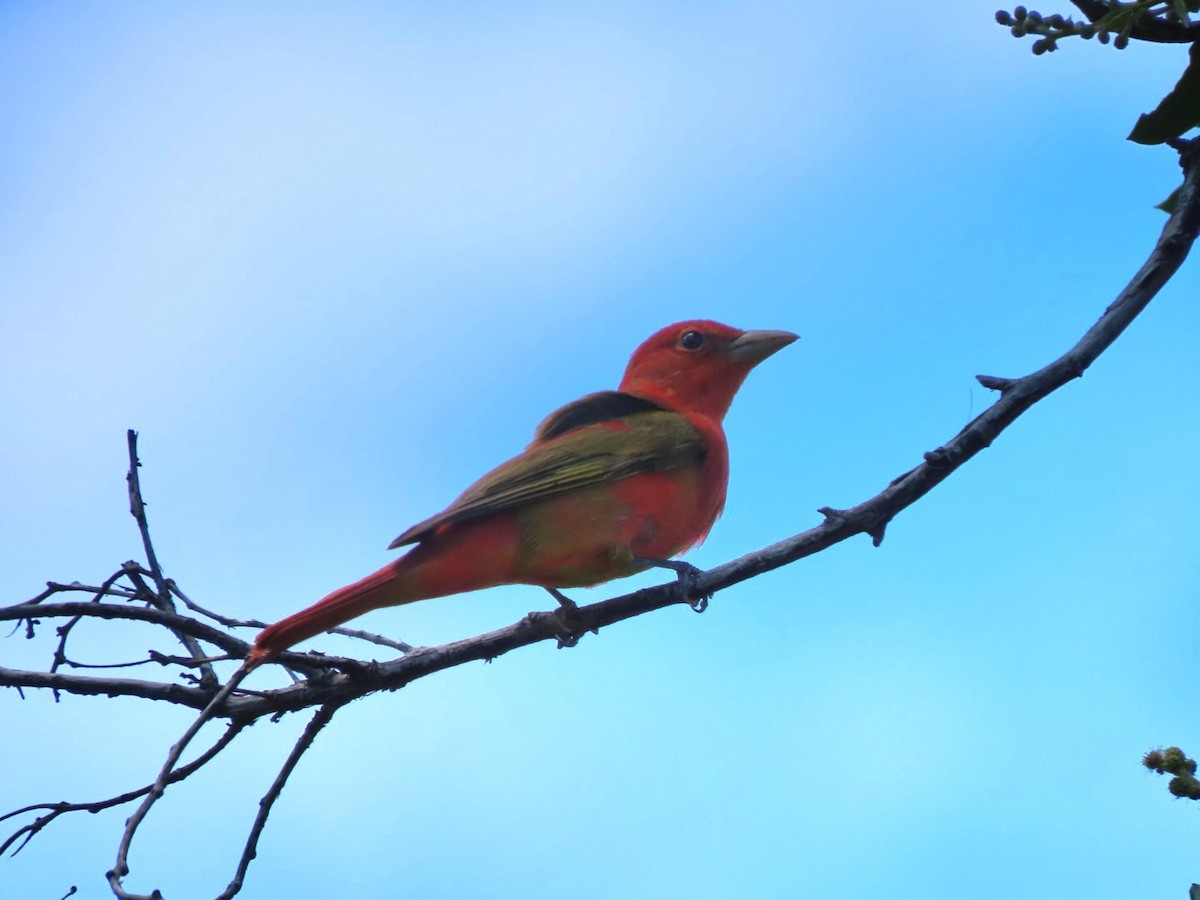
698, 366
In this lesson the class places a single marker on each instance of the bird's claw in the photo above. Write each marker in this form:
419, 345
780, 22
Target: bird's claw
567, 640
566, 618
687, 577
568, 630
697, 602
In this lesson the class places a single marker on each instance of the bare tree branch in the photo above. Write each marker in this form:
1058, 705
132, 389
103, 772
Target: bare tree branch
95, 686
162, 597
333, 681
27, 832
169, 620
319, 720
151, 796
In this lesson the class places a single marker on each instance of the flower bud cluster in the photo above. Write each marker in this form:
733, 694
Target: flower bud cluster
1115, 26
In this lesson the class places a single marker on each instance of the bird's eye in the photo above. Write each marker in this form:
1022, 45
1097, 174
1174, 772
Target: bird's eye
691, 340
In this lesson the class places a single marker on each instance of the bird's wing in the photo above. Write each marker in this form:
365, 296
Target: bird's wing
601, 406
606, 448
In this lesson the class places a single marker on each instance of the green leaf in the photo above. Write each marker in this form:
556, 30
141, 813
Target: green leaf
1178, 111
1117, 19
1168, 206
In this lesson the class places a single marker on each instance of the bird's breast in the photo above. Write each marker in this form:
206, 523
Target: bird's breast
592, 535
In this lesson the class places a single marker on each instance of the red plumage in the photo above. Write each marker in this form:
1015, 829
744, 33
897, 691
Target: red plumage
609, 481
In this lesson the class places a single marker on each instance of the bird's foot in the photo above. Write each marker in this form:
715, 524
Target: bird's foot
566, 617
687, 575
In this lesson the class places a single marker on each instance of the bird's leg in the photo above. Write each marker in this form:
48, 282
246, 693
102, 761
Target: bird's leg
687, 574
564, 601
569, 631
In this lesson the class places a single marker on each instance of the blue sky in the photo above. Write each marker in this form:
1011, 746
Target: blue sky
335, 261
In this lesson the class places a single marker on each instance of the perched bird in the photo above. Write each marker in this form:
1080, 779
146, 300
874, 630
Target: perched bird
612, 484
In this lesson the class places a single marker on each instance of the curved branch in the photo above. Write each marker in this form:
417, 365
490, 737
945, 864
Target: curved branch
95, 686
166, 775
870, 517
170, 620
334, 681
54, 810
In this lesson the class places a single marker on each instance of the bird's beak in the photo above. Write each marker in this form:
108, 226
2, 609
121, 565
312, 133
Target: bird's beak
755, 346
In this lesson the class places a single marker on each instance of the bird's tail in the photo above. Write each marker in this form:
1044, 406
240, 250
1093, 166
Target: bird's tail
460, 558
387, 587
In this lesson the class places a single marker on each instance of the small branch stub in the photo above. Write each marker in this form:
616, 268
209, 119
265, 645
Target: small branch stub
992, 383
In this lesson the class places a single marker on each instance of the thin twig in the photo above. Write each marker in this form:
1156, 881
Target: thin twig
172, 621
59, 809
230, 622
373, 638
226, 621
121, 868
319, 720
64, 631
123, 665
53, 587
107, 686
162, 598
137, 509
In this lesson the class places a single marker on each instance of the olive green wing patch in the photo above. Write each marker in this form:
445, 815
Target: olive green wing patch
649, 441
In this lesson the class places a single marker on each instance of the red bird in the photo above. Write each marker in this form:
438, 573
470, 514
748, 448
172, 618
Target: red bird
612, 484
